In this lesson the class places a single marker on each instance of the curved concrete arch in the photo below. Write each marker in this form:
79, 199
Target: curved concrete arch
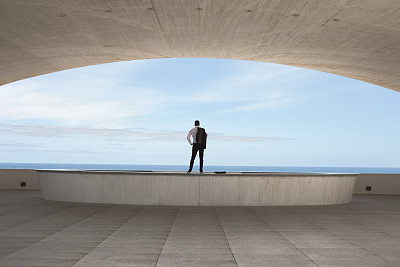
353, 38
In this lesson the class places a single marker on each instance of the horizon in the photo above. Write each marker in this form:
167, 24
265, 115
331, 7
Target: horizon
209, 168
256, 114
196, 165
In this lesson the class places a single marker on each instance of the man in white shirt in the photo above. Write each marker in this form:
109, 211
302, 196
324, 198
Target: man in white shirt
199, 137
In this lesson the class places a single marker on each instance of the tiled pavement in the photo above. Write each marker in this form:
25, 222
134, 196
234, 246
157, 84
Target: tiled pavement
35, 232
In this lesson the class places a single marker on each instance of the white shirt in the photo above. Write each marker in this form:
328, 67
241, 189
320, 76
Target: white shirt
192, 133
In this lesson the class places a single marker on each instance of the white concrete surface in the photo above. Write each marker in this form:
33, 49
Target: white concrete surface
165, 188
379, 184
357, 39
276, 190
12, 179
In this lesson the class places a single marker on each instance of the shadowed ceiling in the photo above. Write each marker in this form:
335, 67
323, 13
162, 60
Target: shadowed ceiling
359, 39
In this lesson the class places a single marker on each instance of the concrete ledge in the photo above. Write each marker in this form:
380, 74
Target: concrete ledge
18, 179
167, 188
377, 183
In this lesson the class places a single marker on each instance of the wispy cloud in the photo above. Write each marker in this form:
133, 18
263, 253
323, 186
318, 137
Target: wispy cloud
253, 87
75, 103
104, 96
6, 145
141, 134
233, 138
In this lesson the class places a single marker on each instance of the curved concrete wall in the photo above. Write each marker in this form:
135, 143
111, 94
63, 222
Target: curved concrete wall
377, 183
162, 188
14, 179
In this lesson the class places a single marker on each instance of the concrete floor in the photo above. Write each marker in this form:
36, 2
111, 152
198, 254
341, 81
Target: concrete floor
35, 232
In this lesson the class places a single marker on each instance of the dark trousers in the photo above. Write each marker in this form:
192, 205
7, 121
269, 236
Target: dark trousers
196, 148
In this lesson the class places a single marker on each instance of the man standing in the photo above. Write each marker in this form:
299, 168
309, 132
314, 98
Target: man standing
199, 137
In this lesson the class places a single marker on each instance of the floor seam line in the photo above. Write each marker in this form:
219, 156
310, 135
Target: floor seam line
52, 233
277, 231
223, 230
166, 239
32, 207
50, 214
110, 234
345, 239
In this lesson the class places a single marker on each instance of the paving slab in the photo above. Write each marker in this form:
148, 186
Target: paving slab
24, 262
166, 262
340, 253
262, 262
355, 263
387, 252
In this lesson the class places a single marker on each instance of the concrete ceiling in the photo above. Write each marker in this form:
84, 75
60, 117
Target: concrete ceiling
359, 39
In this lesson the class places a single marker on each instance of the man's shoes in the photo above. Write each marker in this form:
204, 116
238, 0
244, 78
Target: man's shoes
188, 172
201, 171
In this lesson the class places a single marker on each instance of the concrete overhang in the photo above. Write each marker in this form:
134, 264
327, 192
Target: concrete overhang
359, 39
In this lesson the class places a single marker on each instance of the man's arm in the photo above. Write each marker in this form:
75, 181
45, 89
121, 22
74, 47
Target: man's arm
188, 137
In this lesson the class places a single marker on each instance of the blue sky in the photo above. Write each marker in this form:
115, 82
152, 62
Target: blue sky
256, 114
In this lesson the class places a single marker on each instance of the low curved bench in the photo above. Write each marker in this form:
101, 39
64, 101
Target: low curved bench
209, 189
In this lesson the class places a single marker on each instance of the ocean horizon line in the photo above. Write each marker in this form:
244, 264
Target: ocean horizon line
207, 168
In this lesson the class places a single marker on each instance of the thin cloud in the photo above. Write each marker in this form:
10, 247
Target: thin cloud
20, 145
258, 85
270, 102
75, 103
139, 133
99, 97
232, 138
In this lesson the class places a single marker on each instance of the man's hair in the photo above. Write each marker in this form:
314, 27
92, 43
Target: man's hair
196, 123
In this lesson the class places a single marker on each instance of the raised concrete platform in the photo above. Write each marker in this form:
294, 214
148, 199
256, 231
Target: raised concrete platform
36, 232
209, 189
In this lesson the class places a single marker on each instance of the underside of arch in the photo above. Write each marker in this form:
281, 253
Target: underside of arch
357, 39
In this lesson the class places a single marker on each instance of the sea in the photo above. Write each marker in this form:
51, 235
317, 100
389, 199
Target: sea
179, 168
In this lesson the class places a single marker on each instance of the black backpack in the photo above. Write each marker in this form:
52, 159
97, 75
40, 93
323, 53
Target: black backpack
201, 137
